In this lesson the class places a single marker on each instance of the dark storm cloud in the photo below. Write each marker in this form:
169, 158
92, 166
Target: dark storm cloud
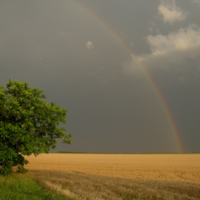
61, 48
174, 65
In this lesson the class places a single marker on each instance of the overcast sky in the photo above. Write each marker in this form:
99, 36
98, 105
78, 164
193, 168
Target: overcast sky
64, 49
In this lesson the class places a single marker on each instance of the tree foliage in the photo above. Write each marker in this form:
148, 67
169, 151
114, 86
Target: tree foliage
28, 125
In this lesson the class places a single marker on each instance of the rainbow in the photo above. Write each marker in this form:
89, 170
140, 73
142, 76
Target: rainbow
148, 76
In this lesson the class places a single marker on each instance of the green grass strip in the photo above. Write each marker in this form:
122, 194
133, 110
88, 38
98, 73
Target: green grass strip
15, 187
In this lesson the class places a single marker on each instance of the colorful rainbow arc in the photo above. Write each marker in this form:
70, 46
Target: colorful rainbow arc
143, 69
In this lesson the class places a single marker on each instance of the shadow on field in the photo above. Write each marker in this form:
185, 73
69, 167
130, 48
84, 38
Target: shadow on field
84, 186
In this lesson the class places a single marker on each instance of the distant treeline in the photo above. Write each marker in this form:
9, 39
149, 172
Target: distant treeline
126, 153
70, 152
91, 152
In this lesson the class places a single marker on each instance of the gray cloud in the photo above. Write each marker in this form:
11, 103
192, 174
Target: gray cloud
196, 2
171, 12
183, 39
89, 45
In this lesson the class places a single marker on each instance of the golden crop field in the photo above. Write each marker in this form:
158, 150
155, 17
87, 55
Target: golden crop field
120, 176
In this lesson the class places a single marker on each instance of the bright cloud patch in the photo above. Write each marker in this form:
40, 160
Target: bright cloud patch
171, 12
89, 45
181, 40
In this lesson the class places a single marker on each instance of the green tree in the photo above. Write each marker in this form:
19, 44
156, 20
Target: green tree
28, 125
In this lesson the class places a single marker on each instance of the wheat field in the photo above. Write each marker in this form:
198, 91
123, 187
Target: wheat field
119, 176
